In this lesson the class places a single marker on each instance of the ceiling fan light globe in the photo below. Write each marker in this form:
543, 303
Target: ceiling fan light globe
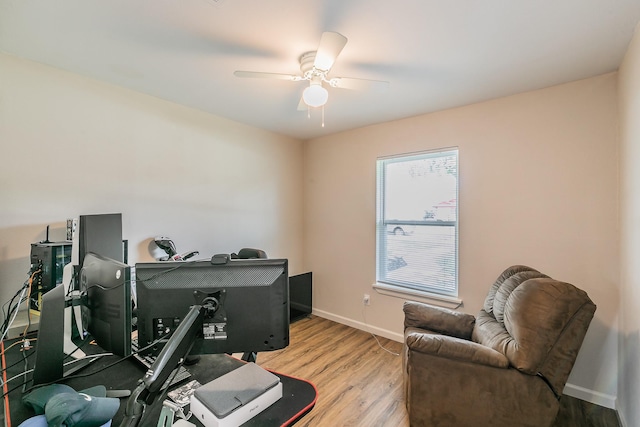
315, 96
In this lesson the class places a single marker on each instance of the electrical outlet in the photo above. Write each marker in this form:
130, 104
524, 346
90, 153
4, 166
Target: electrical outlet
366, 300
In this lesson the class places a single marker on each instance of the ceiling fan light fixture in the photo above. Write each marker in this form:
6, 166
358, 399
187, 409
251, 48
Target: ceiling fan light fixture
315, 95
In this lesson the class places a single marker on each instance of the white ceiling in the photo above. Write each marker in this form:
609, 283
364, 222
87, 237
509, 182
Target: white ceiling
436, 54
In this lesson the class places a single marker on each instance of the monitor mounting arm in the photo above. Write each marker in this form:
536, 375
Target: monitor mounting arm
171, 356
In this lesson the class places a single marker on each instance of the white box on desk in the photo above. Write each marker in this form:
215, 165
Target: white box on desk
236, 397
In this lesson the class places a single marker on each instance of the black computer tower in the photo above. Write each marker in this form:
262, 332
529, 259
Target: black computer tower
47, 262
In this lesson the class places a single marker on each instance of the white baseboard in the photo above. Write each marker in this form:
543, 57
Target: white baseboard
578, 392
590, 396
359, 325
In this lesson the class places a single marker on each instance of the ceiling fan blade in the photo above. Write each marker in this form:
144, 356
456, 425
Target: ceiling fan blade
260, 75
358, 84
331, 44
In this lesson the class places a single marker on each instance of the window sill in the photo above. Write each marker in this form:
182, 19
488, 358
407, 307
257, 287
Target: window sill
421, 296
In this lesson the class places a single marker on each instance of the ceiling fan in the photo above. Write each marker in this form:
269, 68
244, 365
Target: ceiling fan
315, 67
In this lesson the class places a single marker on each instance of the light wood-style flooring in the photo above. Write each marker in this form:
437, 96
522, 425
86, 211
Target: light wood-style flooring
360, 384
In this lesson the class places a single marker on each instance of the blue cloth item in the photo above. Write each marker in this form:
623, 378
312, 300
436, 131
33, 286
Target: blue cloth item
37, 421
41, 421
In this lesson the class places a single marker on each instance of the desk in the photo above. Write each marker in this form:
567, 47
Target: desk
298, 398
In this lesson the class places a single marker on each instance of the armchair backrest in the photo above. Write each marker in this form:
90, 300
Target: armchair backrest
537, 322
514, 277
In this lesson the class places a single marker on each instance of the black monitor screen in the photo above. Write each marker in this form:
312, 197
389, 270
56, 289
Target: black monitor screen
251, 299
106, 312
100, 234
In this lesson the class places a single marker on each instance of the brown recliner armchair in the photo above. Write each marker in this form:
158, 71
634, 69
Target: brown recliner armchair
507, 366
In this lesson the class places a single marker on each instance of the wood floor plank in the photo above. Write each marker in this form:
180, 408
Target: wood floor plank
360, 384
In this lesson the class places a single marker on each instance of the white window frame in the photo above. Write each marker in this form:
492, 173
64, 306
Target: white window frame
412, 291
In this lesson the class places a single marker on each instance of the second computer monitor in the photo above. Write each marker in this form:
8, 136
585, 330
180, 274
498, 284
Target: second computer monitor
251, 300
105, 284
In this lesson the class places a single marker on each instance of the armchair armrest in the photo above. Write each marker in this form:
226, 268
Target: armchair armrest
455, 348
436, 319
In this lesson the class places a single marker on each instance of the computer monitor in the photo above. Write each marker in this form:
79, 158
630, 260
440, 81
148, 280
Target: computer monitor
105, 286
300, 295
101, 234
251, 300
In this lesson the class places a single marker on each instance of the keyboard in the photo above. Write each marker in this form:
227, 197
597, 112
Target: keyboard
148, 359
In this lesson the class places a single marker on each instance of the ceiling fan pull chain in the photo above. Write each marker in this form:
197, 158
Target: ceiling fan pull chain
323, 116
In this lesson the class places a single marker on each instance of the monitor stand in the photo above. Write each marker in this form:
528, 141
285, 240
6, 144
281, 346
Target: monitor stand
73, 310
49, 356
54, 338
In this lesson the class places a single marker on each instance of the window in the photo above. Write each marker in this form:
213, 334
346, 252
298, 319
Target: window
417, 222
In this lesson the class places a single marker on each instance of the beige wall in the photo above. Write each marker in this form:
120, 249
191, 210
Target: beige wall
538, 186
629, 107
73, 146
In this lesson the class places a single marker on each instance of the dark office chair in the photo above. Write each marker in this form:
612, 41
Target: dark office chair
249, 253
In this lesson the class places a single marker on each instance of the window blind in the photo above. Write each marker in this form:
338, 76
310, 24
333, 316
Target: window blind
417, 221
